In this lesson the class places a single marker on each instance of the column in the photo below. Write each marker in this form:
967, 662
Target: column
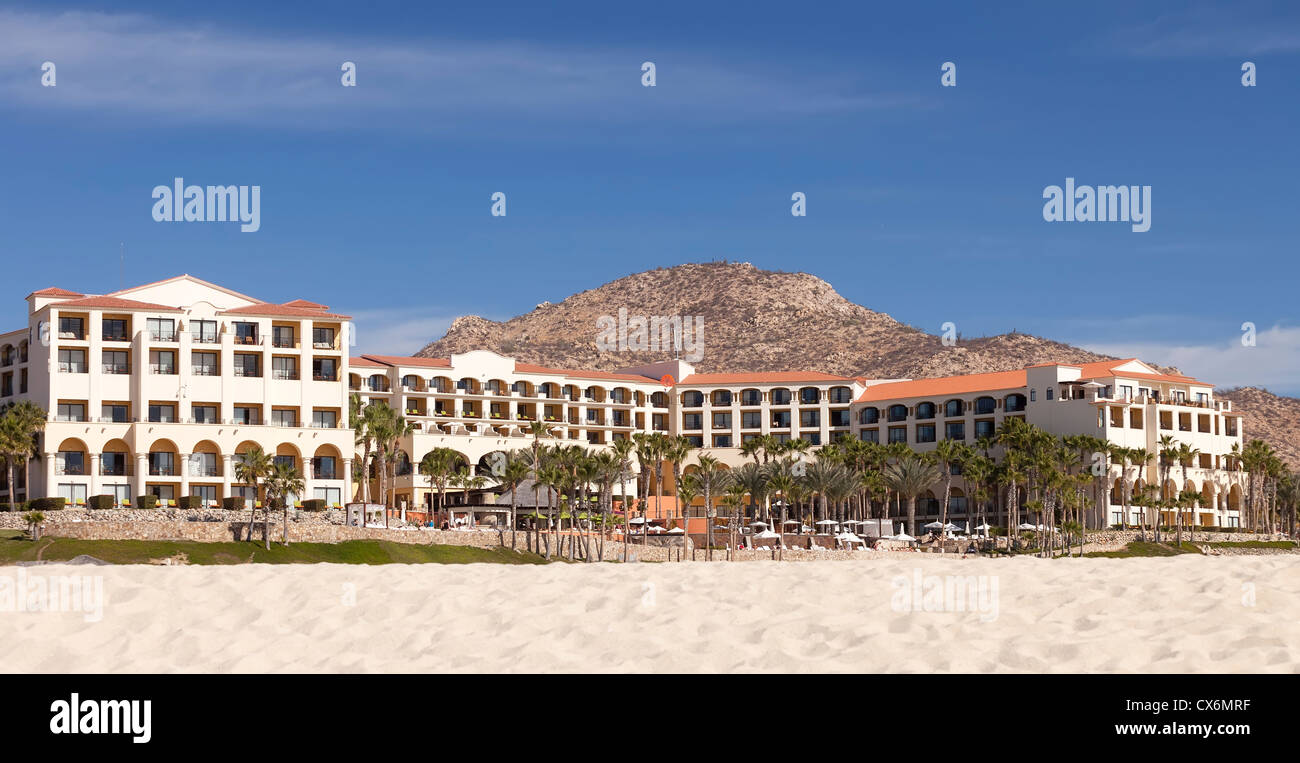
141, 475
185, 467
93, 487
347, 481
227, 471
51, 487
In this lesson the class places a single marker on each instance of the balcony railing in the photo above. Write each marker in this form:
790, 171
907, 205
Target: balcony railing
114, 471
322, 345
166, 369
249, 373
72, 368
71, 470
163, 336
117, 368
246, 339
205, 371
113, 336
283, 343
161, 470
324, 377
284, 375
203, 337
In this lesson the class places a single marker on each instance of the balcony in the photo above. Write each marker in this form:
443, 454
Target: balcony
284, 375
162, 470
248, 373
205, 371
163, 336
165, 369
203, 337
283, 343
120, 470
324, 377
247, 339
117, 368
71, 470
114, 336
72, 368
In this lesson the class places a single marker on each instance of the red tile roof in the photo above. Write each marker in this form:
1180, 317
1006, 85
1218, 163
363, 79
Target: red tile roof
282, 311
765, 377
529, 368
306, 304
403, 360
1002, 380
112, 303
55, 291
364, 362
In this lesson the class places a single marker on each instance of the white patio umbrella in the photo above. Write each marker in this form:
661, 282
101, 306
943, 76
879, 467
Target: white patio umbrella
827, 522
676, 531
637, 521
903, 536
766, 534
933, 526
1027, 526
985, 526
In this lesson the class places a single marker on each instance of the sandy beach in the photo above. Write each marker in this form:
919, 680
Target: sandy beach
1182, 614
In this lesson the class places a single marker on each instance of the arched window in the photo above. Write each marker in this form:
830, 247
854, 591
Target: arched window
809, 395
780, 396
841, 395
953, 408
751, 397
897, 412
1015, 402
722, 397
692, 398
985, 405
869, 416
925, 410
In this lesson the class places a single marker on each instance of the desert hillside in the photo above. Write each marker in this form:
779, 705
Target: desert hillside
762, 320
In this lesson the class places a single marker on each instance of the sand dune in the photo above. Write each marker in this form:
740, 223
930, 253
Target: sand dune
1184, 614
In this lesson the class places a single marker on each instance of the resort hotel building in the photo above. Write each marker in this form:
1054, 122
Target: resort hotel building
158, 388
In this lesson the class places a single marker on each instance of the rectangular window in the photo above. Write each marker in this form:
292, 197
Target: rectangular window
810, 418
75, 493
121, 493
163, 413
112, 464
322, 468
925, 432
204, 414
324, 419
898, 434
245, 333
203, 332
751, 420
162, 361
247, 364
692, 421
203, 465
163, 492
839, 418
722, 421
284, 368
161, 329
117, 413
71, 412
984, 429
780, 419
955, 430
322, 338
324, 369
204, 364
162, 464
72, 328
113, 330
330, 495
70, 462
207, 492
282, 336
722, 441
116, 361
288, 461
284, 417
870, 435
72, 361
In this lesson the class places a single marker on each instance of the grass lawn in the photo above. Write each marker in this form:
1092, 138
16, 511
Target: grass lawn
1282, 544
15, 548
1145, 549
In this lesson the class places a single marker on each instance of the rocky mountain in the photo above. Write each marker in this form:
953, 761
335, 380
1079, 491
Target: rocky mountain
762, 320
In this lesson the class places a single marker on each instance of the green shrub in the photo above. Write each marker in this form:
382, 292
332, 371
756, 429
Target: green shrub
190, 502
313, 504
233, 503
101, 502
146, 502
47, 504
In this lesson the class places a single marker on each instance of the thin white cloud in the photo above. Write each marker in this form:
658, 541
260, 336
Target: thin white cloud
1206, 31
397, 331
133, 66
1273, 362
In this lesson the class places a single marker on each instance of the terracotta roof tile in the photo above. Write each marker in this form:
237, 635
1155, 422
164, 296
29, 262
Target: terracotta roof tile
307, 304
55, 291
529, 368
113, 303
765, 377
945, 385
404, 360
274, 311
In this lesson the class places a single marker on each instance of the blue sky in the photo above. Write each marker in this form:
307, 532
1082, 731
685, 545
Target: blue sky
923, 201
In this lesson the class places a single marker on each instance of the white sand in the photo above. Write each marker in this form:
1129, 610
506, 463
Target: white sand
1185, 614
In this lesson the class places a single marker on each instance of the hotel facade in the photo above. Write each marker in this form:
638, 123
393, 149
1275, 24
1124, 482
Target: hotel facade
157, 389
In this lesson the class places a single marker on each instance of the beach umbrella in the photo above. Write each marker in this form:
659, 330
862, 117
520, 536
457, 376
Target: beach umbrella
766, 534
757, 524
676, 531
791, 522
1027, 526
827, 522
985, 526
637, 521
903, 536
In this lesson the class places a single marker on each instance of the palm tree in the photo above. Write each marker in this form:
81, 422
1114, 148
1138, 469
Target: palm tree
712, 477
28, 421
250, 469
1140, 458
910, 477
282, 481
1167, 453
676, 451
15, 445
946, 454
688, 489
363, 420
513, 473
623, 450
439, 465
